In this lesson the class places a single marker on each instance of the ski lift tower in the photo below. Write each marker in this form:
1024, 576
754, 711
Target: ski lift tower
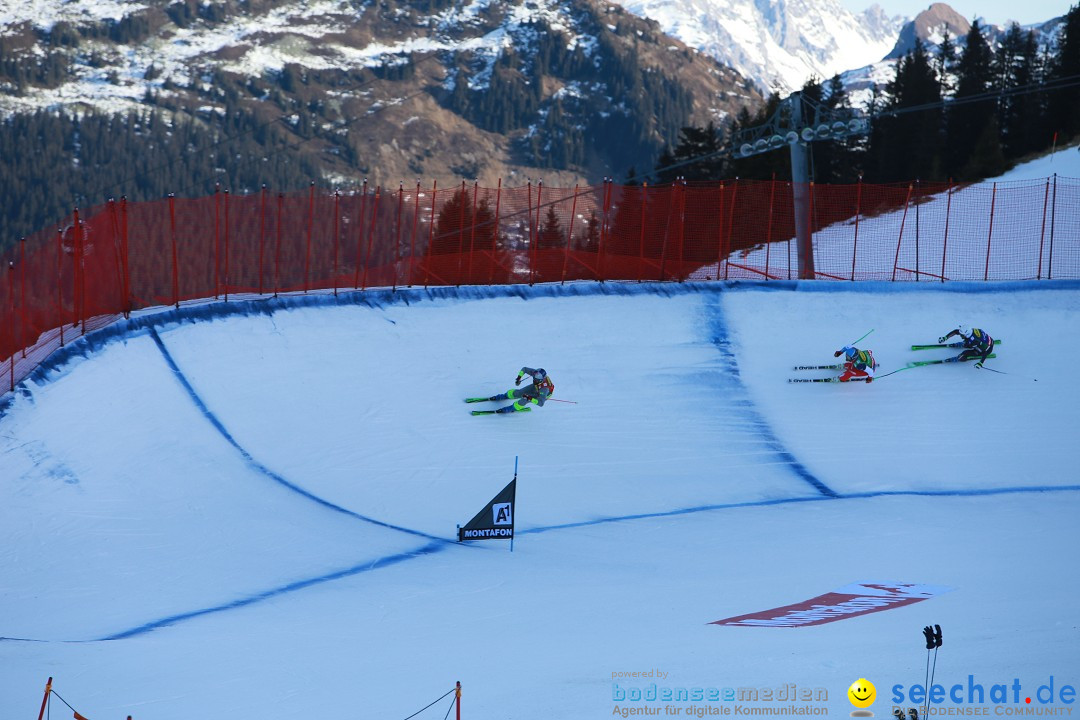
796, 123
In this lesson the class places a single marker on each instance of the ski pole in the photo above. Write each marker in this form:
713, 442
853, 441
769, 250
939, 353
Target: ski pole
933, 671
572, 402
863, 337
999, 372
907, 367
928, 632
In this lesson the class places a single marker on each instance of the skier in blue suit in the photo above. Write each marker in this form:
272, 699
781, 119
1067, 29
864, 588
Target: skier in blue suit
977, 344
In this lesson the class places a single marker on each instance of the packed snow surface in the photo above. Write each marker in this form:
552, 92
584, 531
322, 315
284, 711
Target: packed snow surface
249, 510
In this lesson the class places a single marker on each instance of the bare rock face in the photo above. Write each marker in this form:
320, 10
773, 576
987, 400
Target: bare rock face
929, 26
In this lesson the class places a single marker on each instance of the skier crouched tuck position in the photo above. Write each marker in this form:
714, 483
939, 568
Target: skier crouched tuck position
977, 344
858, 364
535, 393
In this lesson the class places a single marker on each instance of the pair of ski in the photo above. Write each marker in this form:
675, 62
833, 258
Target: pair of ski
491, 412
957, 345
948, 345
823, 380
922, 363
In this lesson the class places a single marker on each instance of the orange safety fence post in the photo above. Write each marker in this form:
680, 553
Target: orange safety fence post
371, 233
641, 238
990, 235
310, 229
569, 235
277, 246
536, 245
608, 186
431, 231
217, 274
472, 231
460, 228
412, 240
1042, 231
22, 295
945, 241
262, 231
337, 235
79, 277
900, 237
397, 236
457, 700
855, 246
495, 236
60, 281
360, 235
720, 232
172, 239
11, 324
124, 254
225, 276
114, 229
682, 229
45, 700
768, 229
731, 224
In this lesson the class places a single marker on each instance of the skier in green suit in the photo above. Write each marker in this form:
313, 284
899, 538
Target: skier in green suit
536, 393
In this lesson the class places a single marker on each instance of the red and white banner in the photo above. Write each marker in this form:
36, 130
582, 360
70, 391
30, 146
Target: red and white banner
849, 601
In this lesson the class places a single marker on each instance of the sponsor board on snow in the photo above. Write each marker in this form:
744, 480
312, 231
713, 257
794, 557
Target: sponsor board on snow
849, 601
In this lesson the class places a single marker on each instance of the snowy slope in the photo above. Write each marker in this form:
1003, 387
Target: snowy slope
251, 516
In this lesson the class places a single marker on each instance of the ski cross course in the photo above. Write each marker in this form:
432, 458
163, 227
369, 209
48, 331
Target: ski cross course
235, 505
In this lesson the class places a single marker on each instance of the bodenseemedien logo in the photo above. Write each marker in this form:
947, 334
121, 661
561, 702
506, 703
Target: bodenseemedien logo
862, 694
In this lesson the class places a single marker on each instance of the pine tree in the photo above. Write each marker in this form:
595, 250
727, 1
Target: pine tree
1064, 104
589, 239
946, 61
696, 157
967, 121
457, 228
906, 144
551, 232
1016, 66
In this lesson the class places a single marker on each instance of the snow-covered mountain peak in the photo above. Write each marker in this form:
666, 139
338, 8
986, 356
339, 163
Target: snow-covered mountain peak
779, 44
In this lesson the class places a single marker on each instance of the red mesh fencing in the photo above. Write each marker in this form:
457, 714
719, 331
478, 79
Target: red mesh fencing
109, 260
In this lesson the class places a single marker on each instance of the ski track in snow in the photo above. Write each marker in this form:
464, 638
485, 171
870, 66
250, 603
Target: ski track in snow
725, 378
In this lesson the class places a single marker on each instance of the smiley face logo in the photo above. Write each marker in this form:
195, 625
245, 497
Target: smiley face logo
862, 693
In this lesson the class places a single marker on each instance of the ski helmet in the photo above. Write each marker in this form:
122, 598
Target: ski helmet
850, 352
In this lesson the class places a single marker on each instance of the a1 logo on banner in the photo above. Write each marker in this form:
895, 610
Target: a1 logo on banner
502, 513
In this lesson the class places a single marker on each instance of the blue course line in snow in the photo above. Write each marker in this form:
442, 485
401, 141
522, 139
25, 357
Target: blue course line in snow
255, 464
973, 492
276, 592
438, 546
722, 341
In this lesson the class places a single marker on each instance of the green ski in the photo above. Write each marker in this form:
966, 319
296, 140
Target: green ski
472, 400
496, 412
948, 345
920, 363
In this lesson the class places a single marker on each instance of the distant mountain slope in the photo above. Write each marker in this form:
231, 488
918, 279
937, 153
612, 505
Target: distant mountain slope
424, 87
778, 43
